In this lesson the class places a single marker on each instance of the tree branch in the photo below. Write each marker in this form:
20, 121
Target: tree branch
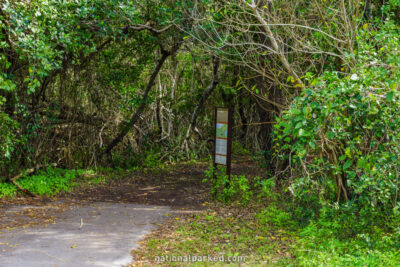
211, 87
127, 127
142, 27
274, 43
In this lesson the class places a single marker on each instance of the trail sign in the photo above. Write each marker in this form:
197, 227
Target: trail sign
223, 137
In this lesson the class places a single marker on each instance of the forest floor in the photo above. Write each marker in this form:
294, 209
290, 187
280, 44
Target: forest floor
216, 233
194, 225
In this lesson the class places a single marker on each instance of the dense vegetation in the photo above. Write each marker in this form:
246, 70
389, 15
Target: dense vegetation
127, 84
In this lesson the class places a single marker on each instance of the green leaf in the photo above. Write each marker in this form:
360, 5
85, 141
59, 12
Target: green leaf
330, 135
351, 175
311, 144
390, 96
347, 164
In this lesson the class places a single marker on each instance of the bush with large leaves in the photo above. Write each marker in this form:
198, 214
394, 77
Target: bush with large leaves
341, 137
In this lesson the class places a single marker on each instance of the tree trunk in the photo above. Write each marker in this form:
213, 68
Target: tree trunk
159, 118
135, 117
243, 119
211, 87
175, 80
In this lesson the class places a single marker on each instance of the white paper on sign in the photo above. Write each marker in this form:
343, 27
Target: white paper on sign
221, 146
222, 115
220, 159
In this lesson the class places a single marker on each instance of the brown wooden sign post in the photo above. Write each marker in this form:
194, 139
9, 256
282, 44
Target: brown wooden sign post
223, 138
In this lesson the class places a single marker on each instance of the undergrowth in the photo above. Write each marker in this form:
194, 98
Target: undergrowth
47, 182
52, 181
226, 232
259, 219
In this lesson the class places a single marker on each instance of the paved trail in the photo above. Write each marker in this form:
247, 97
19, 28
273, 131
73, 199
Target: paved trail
108, 232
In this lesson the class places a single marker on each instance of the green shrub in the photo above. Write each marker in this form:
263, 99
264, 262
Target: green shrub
7, 190
342, 138
265, 188
8, 139
272, 215
148, 158
323, 242
50, 182
226, 188
239, 149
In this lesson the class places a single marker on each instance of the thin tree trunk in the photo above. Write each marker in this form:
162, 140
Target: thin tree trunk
174, 78
211, 87
275, 46
135, 117
159, 118
349, 27
243, 119
368, 10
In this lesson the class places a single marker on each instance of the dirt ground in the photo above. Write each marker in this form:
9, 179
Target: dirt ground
178, 187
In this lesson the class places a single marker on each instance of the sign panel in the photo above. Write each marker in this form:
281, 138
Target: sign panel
222, 115
220, 159
223, 128
221, 147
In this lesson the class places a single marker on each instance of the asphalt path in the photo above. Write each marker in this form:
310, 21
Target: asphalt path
99, 234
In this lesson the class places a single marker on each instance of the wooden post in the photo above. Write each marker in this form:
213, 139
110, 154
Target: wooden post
215, 142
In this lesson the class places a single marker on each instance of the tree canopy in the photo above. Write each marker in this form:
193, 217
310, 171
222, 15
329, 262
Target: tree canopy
314, 86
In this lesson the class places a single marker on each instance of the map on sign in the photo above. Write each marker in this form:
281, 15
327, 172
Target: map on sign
222, 130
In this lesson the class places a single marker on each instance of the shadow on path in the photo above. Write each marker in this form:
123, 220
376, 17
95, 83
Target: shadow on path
100, 234
96, 225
